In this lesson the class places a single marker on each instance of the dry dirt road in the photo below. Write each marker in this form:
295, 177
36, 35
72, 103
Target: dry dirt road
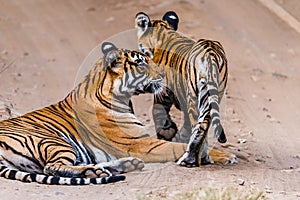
43, 43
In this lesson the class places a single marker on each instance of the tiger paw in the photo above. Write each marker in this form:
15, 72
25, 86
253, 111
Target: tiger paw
222, 157
188, 161
168, 131
97, 172
130, 164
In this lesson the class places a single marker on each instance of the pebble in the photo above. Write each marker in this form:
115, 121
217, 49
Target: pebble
265, 109
236, 120
110, 19
242, 141
268, 189
278, 75
257, 70
241, 181
254, 78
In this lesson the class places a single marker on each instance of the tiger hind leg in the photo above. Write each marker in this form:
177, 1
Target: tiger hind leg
222, 157
198, 153
192, 157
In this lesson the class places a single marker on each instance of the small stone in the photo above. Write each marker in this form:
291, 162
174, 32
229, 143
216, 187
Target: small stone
241, 181
268, 189
242, 141
254, 78
265, 109
257, 70
236, 120
259, 160
110, 19
278, 75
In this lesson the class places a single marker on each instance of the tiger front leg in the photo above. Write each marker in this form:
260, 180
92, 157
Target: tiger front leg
165, 127
122, 165
84, 171
62, 164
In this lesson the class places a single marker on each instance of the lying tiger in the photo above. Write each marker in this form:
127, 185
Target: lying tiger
196, 77
92, 135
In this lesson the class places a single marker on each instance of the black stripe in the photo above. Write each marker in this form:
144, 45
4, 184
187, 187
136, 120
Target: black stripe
154, 147
12, 174
214, 105
54, 180
25, 178
212, 92
94, 181
73, 181
120, 122
213, 115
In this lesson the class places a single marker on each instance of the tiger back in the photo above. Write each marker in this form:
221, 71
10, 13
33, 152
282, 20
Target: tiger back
196, 78
92, 135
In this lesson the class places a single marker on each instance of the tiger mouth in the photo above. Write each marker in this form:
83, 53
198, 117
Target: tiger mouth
154, 87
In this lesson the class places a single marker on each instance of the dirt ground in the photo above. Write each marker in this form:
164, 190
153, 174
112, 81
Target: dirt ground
42, 46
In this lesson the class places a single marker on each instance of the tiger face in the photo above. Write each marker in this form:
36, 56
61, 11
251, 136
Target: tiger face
148, 30
133, 72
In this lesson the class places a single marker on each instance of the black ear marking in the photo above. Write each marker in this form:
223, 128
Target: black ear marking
108, 47
172, 18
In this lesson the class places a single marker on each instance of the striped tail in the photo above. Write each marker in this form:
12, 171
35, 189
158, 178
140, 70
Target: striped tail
213, 98
54, 180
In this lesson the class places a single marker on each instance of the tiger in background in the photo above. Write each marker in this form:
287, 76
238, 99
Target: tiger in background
92, 135
196, 78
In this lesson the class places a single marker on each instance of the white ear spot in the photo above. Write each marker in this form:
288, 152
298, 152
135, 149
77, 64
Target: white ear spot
172, 17
107, 47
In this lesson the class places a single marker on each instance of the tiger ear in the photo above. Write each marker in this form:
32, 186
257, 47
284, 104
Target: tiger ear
141, 22
172, 19
110, 55
107, 47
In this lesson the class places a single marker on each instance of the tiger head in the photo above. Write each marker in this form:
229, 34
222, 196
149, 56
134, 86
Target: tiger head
150, 31
133, 73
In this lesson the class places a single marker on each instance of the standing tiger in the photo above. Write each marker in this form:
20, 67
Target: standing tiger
196, 77
92, 135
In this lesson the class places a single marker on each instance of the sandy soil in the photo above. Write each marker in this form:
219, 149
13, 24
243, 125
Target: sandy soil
43, 43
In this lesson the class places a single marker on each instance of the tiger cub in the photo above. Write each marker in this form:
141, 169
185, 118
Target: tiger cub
92, 135
196, 78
